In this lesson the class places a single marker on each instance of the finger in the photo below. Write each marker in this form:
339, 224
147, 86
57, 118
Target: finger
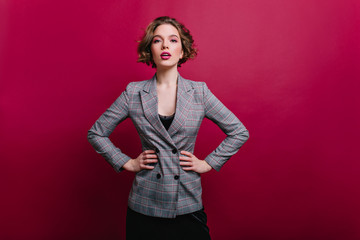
149, 161
142, 166
186, 153
147, 156
188, 168
185, 158
186, 163
149, 151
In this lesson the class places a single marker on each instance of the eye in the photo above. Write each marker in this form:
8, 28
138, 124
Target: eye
156, 41
174, 40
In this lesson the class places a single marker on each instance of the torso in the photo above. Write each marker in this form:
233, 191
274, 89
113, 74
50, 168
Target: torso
166, 100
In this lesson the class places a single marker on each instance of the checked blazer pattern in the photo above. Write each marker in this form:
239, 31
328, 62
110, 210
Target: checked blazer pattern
167, 190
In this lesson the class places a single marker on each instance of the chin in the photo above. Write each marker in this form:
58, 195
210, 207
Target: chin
167, 66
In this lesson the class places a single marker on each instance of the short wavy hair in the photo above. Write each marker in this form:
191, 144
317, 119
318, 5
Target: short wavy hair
187, 42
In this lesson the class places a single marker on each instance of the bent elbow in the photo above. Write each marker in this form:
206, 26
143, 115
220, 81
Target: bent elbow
91, 135
242, 134
246, 134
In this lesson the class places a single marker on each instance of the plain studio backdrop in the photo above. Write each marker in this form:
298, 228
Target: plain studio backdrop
289, 69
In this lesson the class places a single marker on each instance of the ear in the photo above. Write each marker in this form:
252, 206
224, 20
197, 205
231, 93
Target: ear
182, 54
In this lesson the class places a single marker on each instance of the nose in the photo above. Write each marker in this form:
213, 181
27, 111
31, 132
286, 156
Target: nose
165, 45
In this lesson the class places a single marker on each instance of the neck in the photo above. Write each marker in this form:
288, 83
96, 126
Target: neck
167, 77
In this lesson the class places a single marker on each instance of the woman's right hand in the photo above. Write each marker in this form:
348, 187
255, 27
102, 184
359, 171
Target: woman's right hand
140, 163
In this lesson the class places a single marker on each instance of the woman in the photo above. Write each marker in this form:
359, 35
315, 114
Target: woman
167, 111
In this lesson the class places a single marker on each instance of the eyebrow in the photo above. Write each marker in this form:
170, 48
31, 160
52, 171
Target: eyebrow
173, 35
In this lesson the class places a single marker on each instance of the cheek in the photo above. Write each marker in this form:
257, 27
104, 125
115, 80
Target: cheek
153, 52
179, 50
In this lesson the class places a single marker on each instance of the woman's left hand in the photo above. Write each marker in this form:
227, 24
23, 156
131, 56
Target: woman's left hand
192, 163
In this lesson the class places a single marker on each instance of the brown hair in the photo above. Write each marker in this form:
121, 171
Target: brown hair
187, 42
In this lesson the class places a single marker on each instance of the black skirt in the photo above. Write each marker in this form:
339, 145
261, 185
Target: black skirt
188, 226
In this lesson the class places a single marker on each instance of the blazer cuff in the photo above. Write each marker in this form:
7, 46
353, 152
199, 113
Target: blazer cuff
213, 163
118, 161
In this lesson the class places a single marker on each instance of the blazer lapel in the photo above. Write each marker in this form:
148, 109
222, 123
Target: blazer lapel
150, 107
183, 105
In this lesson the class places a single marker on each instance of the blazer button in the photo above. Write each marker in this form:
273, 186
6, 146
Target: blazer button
157, 150
158, 176
176, 177
174, 151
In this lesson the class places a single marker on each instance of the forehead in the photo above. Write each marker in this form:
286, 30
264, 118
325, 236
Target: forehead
165, 30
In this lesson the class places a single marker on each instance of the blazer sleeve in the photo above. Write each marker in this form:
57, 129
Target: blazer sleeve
236, 132
99, 133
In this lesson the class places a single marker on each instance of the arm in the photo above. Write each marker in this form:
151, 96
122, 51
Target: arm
99, 133
236, 132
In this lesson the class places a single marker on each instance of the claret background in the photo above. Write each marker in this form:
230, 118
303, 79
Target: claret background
289, 69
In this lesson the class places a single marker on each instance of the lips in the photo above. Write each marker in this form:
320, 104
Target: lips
165, 55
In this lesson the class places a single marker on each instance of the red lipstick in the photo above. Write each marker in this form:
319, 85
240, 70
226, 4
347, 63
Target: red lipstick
165, 55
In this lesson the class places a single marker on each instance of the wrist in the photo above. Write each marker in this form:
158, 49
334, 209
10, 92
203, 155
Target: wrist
129, 165
207, 166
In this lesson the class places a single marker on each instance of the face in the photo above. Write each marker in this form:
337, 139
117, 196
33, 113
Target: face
166, 46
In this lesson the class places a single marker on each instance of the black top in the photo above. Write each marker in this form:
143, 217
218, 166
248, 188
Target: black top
166, 120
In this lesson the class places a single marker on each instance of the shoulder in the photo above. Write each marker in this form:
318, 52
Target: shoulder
136, 86
201, 91
196, 85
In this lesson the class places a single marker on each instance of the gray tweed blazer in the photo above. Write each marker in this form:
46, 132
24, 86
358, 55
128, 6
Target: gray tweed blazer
167, 190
